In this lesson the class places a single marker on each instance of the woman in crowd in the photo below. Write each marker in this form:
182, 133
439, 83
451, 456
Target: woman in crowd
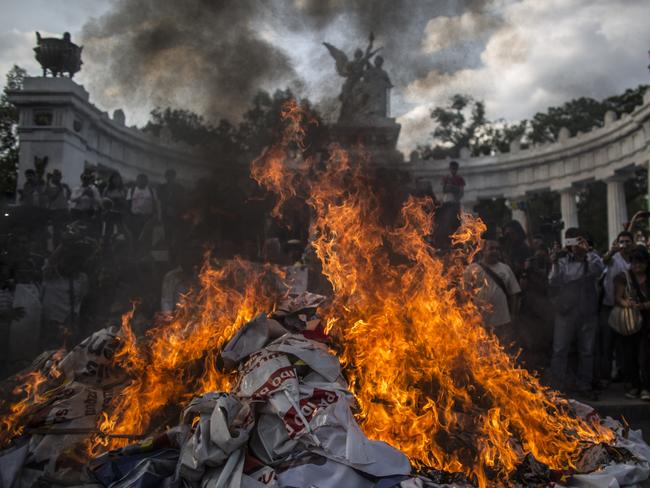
632, 290
115, 205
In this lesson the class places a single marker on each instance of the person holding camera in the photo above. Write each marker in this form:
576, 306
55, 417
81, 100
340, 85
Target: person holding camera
631, 291
617, 261
573, 280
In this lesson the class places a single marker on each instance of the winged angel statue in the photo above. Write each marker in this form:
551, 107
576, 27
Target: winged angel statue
364, 91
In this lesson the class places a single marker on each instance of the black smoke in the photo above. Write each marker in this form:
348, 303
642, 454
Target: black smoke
206, 54
212, 56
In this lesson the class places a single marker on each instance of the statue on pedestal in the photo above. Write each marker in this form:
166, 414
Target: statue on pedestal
59, 56
364, 94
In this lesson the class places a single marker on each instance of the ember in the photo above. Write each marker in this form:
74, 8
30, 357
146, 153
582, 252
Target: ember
418, 369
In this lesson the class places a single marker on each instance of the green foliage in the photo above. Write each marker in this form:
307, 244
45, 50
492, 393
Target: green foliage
259, 127
462, 123
8, 136
230, 206
581, 115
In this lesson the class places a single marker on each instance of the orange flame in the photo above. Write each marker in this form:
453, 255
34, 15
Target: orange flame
177, 360
428, 378
32, 390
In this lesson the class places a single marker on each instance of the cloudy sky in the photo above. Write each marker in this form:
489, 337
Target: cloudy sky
211, 56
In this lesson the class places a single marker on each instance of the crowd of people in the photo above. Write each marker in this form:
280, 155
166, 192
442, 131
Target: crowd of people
73, 258
580, 317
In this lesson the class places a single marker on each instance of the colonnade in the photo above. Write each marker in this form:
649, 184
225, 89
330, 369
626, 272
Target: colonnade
617, 212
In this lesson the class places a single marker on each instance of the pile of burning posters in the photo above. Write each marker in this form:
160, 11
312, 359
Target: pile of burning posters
287, 422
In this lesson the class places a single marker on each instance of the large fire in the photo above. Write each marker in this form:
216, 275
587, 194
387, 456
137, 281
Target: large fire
428, 378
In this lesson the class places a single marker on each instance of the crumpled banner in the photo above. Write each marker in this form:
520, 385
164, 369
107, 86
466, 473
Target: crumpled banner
250, 338
266, 373
623, 464
314, 354
91, 361
219, 433
288, 423
141, 470
295, 303
70, 401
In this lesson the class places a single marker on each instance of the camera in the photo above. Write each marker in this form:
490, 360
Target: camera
572, 241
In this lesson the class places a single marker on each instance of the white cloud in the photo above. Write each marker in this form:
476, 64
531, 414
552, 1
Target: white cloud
16, 47
544, 53
443, 32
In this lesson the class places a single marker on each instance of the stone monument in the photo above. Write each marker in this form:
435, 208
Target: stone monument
365, 105
58, 56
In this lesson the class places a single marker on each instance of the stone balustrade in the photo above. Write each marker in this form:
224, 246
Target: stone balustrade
58, 121
608, 154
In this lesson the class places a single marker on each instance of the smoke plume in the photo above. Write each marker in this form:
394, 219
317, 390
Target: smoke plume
212, 56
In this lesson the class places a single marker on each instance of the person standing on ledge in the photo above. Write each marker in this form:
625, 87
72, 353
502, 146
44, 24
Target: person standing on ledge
453, 185
448, 214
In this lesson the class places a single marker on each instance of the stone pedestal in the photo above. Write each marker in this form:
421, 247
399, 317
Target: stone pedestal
569, 209
616, 207
376, 136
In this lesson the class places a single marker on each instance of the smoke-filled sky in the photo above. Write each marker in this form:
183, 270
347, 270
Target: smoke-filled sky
211, 56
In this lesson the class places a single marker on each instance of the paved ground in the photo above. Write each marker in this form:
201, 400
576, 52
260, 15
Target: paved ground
613, 403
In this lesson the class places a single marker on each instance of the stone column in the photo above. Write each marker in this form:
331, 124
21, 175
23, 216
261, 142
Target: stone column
569, 209
616, 207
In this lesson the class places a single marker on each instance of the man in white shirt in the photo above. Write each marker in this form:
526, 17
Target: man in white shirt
144, 207
497, 288
86, 198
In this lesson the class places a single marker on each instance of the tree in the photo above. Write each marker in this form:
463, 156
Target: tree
230, 207
182, 125
463, 123
581, 115
8, 136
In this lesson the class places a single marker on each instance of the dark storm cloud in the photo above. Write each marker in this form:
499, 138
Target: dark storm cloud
212, 56
205, 54
398, 26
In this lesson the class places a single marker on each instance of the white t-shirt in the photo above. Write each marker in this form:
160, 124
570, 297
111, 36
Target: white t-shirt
142, 200
492, 293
